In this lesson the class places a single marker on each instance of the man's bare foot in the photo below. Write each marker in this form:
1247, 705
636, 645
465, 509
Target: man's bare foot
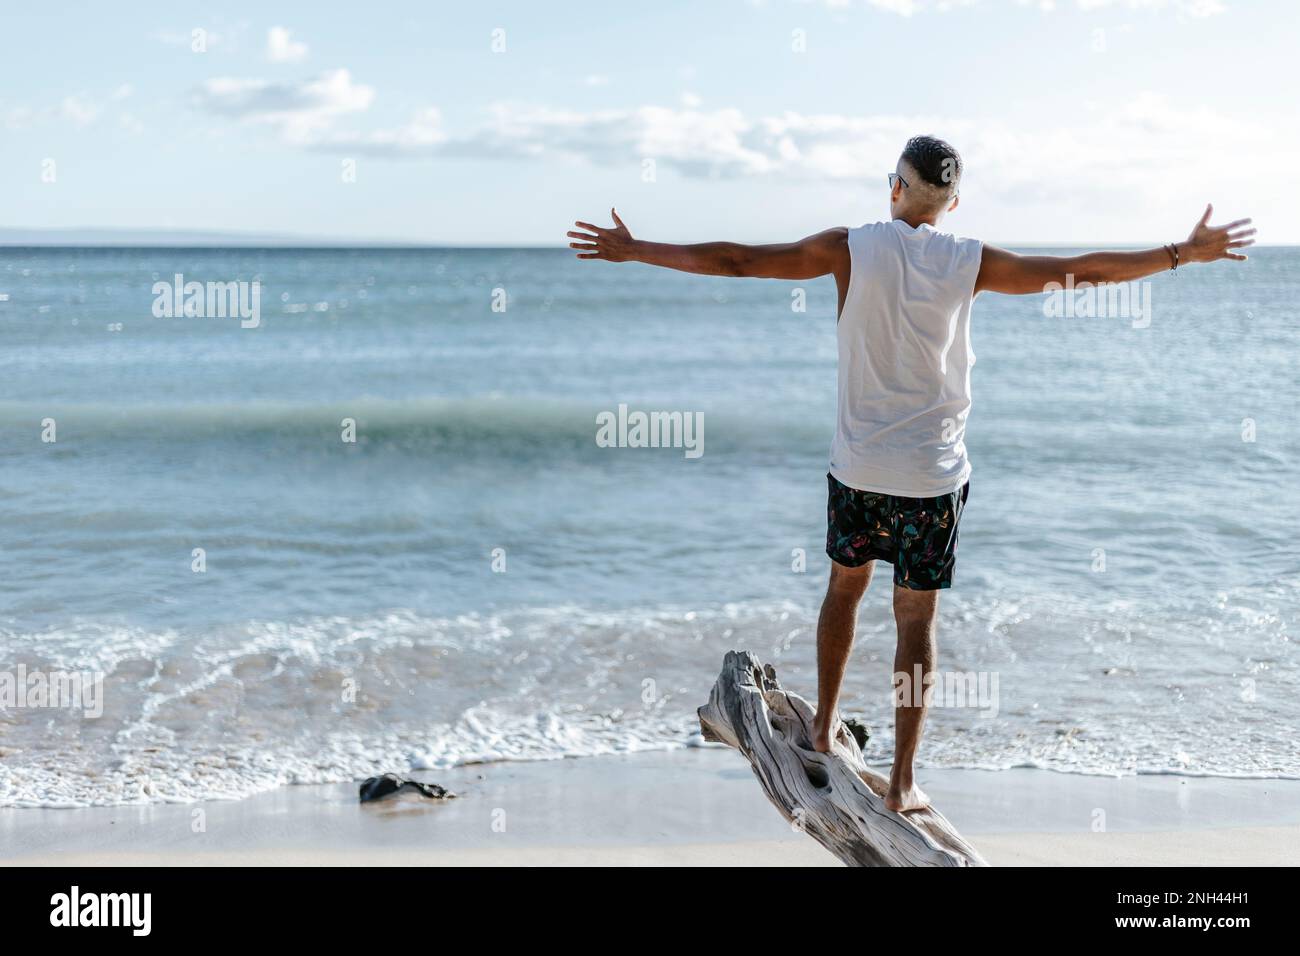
822, 734
901, 799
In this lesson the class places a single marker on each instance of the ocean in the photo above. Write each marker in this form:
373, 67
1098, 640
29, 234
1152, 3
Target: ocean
262, 602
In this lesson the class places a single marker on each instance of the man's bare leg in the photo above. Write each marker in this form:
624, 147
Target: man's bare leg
915, 613
835, 629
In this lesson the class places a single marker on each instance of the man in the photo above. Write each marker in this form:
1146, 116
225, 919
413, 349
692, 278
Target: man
899, 474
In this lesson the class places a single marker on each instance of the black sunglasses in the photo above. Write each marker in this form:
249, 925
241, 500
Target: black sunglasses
893, 176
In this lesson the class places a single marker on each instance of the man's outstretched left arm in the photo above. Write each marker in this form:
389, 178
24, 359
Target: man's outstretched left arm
817, 255
1007, 272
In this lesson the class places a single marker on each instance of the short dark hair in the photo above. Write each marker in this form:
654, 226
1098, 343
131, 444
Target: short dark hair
935, 161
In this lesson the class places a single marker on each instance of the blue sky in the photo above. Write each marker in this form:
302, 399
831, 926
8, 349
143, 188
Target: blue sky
1080, 120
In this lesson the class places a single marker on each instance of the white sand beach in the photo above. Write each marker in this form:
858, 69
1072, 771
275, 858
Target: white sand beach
683, 808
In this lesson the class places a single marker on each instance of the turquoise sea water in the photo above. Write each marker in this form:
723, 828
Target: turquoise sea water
354, 615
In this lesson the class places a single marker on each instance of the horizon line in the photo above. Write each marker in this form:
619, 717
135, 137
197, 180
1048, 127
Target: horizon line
19, 237
397, 245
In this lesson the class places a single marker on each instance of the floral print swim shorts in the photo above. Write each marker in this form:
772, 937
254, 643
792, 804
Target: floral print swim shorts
918, 536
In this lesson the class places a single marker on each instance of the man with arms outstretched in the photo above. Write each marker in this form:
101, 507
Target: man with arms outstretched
899, 474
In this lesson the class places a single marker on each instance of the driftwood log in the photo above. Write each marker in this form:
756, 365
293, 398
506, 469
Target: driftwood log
835, 798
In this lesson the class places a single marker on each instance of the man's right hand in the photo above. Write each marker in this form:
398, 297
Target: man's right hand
825, 253
613, 244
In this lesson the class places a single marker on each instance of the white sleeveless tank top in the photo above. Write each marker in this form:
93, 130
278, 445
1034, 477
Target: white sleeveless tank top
905, 360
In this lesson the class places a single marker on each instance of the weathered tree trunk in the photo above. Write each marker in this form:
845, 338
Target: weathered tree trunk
835, 798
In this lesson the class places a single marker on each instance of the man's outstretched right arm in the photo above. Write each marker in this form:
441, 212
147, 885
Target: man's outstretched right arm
822, 254
1007, 272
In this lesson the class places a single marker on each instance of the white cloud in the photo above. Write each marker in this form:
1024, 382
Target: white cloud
714, 144
1146, 146
421, 134
718, 143
79, 110
300, 111
282, 48
906, 8
1148, 153
1190, 8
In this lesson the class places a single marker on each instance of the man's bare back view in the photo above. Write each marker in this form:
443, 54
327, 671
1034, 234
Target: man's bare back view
899, 474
